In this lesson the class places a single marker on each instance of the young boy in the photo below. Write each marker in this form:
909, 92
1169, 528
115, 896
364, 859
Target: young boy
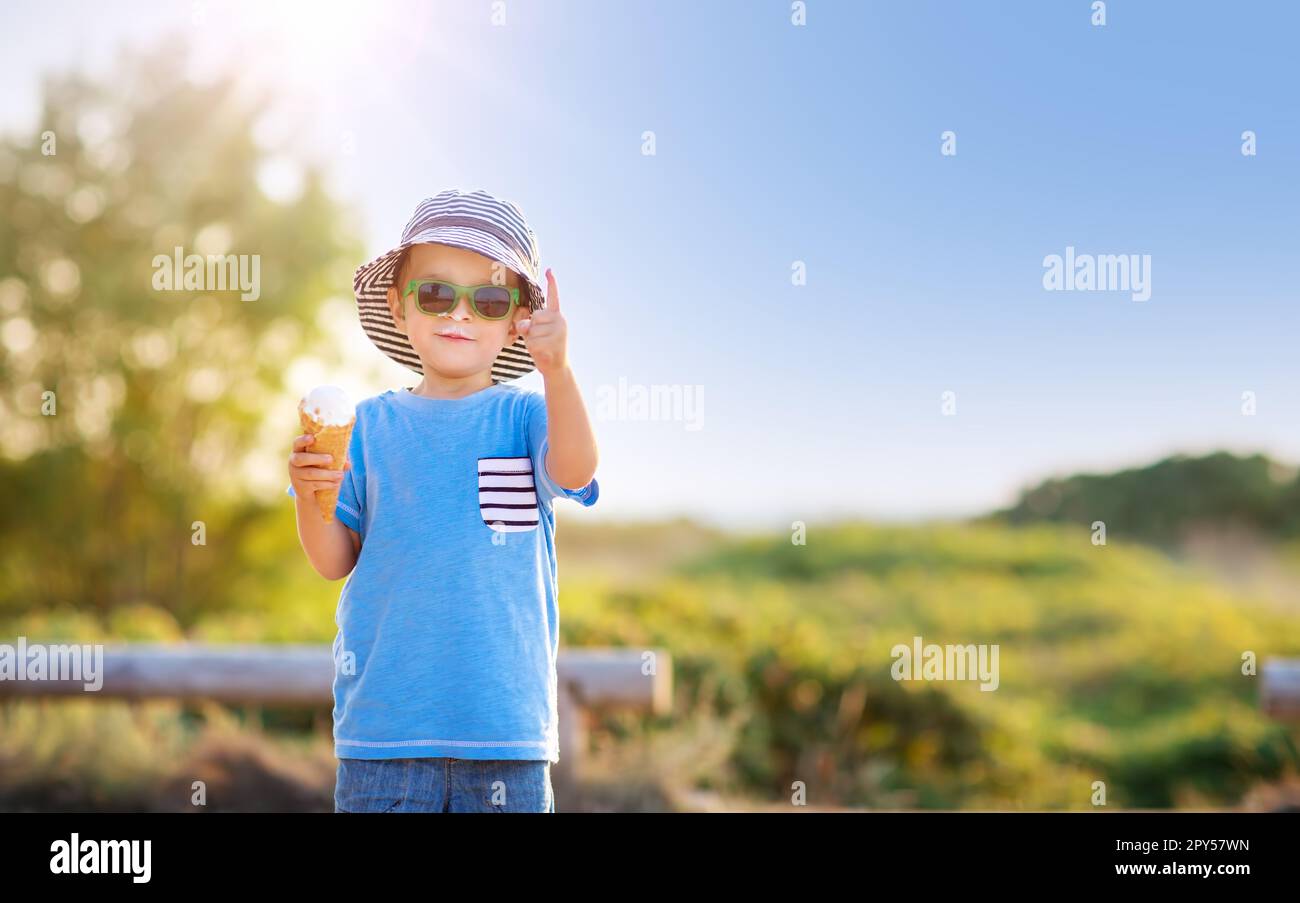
445, 683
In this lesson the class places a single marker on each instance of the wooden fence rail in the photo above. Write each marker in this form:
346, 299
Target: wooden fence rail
588, 678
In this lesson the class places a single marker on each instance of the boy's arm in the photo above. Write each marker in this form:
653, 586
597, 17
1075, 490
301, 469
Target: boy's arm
331, 548
571, 456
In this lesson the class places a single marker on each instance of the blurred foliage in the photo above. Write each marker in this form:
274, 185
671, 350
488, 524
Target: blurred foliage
1162, 503
159, 396
1116, 664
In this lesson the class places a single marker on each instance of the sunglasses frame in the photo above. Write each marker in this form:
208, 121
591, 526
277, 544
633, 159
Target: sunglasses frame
413, 287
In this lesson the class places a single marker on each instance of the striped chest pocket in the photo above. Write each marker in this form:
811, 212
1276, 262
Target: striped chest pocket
507, 496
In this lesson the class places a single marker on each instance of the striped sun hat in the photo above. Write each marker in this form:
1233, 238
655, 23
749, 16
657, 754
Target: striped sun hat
475, 221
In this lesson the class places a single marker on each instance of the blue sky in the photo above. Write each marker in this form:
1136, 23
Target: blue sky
821, 144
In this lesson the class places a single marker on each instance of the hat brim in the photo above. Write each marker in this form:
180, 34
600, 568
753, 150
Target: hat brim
372, 280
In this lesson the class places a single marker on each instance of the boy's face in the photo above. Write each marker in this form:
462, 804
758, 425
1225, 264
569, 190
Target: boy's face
454, 357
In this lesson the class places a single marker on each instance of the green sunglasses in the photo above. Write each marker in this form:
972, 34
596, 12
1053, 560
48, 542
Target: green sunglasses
436, 297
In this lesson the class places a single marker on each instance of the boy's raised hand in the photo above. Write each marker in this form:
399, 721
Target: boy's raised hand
545, 332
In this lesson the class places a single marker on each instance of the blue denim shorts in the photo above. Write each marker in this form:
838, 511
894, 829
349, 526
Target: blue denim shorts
443, 785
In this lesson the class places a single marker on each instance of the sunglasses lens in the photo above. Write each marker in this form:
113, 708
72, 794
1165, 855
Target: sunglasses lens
435, 297
493, 302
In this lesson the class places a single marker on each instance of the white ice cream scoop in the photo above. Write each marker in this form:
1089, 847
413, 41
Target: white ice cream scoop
329, 405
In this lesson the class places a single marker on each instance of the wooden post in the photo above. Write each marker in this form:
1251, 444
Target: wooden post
573, 744
1279, 690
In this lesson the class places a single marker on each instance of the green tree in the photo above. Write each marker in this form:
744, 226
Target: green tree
1161, 502
157, 396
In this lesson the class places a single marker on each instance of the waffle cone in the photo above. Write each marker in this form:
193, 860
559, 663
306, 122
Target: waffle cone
333, 441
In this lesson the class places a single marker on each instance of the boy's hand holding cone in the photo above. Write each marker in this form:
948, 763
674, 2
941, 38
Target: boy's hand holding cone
327, 418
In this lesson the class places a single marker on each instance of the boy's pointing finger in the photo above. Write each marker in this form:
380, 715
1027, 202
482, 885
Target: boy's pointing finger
552, 291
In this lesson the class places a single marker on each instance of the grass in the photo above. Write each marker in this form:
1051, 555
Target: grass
1118, 664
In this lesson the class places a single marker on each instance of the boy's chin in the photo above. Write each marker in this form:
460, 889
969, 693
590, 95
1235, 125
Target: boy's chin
456, 366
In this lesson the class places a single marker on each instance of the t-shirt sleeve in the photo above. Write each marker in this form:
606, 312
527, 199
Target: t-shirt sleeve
538, 443
352, 489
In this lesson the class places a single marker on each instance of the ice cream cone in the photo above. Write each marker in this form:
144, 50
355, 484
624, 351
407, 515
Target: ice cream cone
331, 440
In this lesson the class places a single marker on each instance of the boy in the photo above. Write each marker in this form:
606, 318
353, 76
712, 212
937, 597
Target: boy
445, 682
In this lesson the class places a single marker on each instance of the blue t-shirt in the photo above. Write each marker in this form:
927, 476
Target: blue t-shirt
451, 615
